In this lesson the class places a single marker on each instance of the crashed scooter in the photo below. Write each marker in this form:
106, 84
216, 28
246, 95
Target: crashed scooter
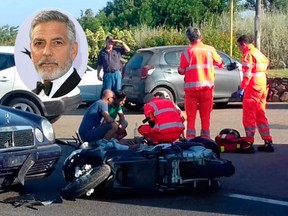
167, 166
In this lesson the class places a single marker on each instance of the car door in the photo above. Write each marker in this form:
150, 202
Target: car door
7, 73
169, 64
226, 82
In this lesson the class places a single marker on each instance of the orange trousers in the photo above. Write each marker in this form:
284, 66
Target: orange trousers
159, 136
254, 113
201, 100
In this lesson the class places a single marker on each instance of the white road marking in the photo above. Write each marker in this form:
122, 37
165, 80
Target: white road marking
259, 199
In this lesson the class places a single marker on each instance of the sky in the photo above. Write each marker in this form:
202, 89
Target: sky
15, 12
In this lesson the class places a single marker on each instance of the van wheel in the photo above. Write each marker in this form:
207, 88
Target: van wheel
25, 105
167, 93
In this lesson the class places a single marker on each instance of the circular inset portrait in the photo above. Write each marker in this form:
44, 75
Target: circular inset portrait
51, 53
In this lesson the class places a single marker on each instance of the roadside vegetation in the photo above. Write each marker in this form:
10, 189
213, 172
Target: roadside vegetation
149, 23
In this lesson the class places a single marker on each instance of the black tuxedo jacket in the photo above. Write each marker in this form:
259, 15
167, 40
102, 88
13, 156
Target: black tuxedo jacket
70, 83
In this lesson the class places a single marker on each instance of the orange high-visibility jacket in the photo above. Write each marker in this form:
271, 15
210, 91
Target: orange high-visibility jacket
166, 115
197, 64
254, 67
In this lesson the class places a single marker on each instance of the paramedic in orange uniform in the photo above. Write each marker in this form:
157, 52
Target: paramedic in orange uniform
197, 64
254, 84
165, 124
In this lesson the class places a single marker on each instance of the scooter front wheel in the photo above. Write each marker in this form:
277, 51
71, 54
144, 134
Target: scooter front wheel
79, 186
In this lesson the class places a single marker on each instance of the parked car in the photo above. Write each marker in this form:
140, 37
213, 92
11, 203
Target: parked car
27, 147
156, 69
90, 87
14, 93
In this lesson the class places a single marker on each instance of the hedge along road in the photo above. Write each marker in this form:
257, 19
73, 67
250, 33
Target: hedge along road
259, 186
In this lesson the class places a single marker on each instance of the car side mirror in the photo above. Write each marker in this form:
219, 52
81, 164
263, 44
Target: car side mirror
232, 66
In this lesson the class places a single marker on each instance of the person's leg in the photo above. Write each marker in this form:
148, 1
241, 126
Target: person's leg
97, 133
146, 131
107, 81
112, 132
263, 124
167, 137
205, 108
191, 103
249, 105
117, 81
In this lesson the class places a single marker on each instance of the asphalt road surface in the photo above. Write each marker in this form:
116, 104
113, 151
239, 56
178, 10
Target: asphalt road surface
258, 187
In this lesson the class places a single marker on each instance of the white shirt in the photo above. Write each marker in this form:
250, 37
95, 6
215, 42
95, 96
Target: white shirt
57, 84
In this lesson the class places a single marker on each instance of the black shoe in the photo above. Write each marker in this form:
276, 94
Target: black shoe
248, 148
267, 147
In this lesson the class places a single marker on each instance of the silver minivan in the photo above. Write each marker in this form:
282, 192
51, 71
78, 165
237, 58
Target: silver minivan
155, 69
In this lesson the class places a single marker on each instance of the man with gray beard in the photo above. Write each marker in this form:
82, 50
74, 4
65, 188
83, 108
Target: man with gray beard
53, 48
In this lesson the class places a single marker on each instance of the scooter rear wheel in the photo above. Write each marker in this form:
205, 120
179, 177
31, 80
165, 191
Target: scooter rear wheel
79, 186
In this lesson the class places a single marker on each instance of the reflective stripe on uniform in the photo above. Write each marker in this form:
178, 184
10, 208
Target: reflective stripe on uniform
169, 125
199, 84
198, 66
205, 133
263, 126
257, 74
160, 111
190, 132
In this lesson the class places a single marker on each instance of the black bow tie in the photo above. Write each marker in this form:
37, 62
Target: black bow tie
46, 86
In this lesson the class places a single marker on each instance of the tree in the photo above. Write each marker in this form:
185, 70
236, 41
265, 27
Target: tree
176, 13
8, 35
268, 5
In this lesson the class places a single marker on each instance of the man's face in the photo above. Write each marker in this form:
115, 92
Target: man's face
119, 102
242, 47
109, 43
111, 98
51, 51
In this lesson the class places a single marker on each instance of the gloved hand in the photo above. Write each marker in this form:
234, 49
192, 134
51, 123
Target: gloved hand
240, 93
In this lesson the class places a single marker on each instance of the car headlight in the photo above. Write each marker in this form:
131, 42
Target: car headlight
39, 135
47, 130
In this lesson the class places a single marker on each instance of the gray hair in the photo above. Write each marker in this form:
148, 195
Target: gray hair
53, 15
193, 34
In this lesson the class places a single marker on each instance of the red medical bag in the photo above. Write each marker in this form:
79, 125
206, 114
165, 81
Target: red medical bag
229, 140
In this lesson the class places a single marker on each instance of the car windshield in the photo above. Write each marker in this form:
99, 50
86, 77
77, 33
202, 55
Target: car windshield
139, 60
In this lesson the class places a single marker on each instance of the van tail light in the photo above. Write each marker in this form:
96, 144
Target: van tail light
146, 71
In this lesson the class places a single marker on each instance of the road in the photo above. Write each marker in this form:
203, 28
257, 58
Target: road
259, 186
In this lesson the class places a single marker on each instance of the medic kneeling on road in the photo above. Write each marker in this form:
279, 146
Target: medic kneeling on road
164, 118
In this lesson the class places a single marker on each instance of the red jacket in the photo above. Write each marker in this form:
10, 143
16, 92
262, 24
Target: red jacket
197, 64
166, 115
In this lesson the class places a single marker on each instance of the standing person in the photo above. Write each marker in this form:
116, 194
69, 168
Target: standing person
254, 84
53, 48
165, 121
109, 59
196, 63
92, 128
115, 109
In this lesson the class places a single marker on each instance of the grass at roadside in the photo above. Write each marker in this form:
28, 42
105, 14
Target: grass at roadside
281, 73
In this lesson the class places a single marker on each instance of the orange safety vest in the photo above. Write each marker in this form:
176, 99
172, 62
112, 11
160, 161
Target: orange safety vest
165, 114
254, 67
197, 63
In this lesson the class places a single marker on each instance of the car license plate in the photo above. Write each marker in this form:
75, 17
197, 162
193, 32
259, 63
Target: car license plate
14, 160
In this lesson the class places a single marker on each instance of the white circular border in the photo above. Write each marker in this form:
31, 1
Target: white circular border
24, 64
